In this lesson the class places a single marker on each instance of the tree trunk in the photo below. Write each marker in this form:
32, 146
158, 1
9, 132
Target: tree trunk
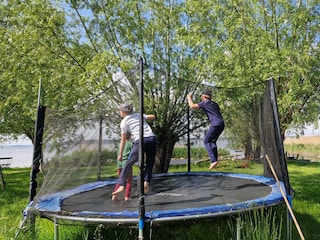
248, 146
164, 152
257, 152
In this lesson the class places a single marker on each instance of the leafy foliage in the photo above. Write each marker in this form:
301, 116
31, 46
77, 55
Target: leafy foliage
87, 53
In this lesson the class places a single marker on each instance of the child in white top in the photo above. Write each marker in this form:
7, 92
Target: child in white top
130, 124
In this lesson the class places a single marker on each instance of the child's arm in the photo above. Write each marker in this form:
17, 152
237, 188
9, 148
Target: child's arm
192, 105
150, 117
122, 144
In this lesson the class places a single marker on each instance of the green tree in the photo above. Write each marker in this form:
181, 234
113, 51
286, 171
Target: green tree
87, 52
128, 30
34, 46
256, 40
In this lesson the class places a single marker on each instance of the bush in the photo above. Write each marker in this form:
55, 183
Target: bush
196, 153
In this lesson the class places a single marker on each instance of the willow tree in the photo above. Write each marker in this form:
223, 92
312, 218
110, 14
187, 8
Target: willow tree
121, 33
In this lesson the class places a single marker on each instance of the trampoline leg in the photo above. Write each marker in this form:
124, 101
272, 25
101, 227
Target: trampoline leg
289, 226
141, 228
238, 227
32, 220
289, 220
150, 230
56, 229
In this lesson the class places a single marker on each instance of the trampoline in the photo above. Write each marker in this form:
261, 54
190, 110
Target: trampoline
173, 196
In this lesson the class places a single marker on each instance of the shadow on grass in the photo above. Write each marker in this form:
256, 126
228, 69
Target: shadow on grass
15, 185
305, 182
309, 225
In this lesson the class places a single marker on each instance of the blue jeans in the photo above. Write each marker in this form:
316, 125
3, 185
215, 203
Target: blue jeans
150, 149
210, 141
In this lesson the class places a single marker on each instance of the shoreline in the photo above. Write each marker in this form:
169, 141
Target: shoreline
22, 155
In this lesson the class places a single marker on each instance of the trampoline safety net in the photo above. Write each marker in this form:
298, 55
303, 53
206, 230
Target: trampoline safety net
79, 150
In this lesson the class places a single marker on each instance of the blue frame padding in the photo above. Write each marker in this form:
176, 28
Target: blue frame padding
52, 203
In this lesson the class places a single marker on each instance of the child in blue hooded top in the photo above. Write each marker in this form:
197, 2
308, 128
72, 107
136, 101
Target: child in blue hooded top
212, 110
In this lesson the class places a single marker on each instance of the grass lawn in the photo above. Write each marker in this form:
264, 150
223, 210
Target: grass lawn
304, 178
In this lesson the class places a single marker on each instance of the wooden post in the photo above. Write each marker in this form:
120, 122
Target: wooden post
2, 179
285, 199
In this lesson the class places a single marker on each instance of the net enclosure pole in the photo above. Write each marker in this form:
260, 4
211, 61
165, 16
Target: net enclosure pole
279, 140
279, 150
141, 158
189, 150
37, 147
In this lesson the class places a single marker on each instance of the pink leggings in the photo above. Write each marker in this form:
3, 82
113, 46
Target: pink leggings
128, 183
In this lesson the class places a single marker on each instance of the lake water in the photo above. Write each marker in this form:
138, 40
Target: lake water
21, 154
